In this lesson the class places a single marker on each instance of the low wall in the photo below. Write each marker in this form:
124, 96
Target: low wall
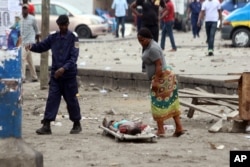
139, 81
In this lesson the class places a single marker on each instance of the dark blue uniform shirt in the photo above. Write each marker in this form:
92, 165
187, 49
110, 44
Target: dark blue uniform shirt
65, 51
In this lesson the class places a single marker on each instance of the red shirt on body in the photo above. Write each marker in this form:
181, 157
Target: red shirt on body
170, 9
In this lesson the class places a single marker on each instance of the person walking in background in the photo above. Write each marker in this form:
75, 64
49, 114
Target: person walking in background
138, 18
64, 46
164, 91
211, 9
149, 16
194, 9
29, 34
14, 38
168, 17
120, 7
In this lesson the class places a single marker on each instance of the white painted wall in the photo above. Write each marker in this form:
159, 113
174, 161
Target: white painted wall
84, 5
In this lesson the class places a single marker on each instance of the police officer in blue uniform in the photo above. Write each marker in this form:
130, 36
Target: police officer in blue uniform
64, 45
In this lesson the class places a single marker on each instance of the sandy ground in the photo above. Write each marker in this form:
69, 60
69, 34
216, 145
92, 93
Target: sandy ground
92, 148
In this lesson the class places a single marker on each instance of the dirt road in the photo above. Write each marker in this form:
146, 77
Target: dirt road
91, 148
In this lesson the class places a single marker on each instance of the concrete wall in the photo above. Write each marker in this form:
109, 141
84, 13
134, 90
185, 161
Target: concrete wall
89, 6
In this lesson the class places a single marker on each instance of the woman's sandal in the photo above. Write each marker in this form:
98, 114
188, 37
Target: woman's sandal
178, 134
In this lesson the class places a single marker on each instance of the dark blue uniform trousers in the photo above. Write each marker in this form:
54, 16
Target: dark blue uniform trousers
67, 88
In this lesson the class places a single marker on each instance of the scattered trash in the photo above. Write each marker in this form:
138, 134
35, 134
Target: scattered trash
65, 116
91, 84
170, 128
103, 91
217, 60
125, 95
219, 147
90, 118
110, 112
82, 63
107, 68
56, 123
247, 129
248, 137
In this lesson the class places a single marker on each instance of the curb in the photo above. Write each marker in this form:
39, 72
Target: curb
139, 81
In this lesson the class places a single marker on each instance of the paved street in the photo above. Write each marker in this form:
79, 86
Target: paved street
109, 53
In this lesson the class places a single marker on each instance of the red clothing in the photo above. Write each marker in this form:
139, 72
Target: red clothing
170, 9
31, 9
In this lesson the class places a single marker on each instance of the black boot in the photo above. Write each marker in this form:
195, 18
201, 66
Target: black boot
45, 129
77, 128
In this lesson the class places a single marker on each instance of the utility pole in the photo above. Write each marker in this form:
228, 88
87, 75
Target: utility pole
45, 55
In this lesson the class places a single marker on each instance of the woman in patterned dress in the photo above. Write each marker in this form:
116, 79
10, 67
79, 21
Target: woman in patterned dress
163, 90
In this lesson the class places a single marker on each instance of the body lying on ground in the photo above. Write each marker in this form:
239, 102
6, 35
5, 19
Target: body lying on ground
126, 126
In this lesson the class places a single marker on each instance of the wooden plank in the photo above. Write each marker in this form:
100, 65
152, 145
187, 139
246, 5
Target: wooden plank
194, 93
191, 110
232, 115
217, 126
201, 90
199, 108
222, 103
232, 80
231, 73
231, 101
232, 97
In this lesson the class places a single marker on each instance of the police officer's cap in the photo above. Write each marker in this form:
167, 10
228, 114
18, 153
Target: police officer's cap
62, 20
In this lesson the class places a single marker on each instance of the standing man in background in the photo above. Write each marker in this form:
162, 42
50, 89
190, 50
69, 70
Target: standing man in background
167, 25
29, 34
120, 7
193, 12
149, 16
211, 9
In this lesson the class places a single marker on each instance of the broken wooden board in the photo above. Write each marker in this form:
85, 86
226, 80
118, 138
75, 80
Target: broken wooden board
217, 126
199, 108
194, 93
232, 115
233, 97
222, 103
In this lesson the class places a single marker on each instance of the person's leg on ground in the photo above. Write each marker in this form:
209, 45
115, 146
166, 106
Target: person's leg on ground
31, 67
73, 106
160, 128
24, 60
117, 27
163, 35
138, 23
207, 27
52, 106
178, 130
213, 29
194, 25
123, 26
169, 26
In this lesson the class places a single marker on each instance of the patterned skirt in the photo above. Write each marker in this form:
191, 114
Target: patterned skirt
164, 96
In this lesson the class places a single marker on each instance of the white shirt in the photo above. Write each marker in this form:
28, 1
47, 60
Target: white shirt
120, 7
211, 8
29, 29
